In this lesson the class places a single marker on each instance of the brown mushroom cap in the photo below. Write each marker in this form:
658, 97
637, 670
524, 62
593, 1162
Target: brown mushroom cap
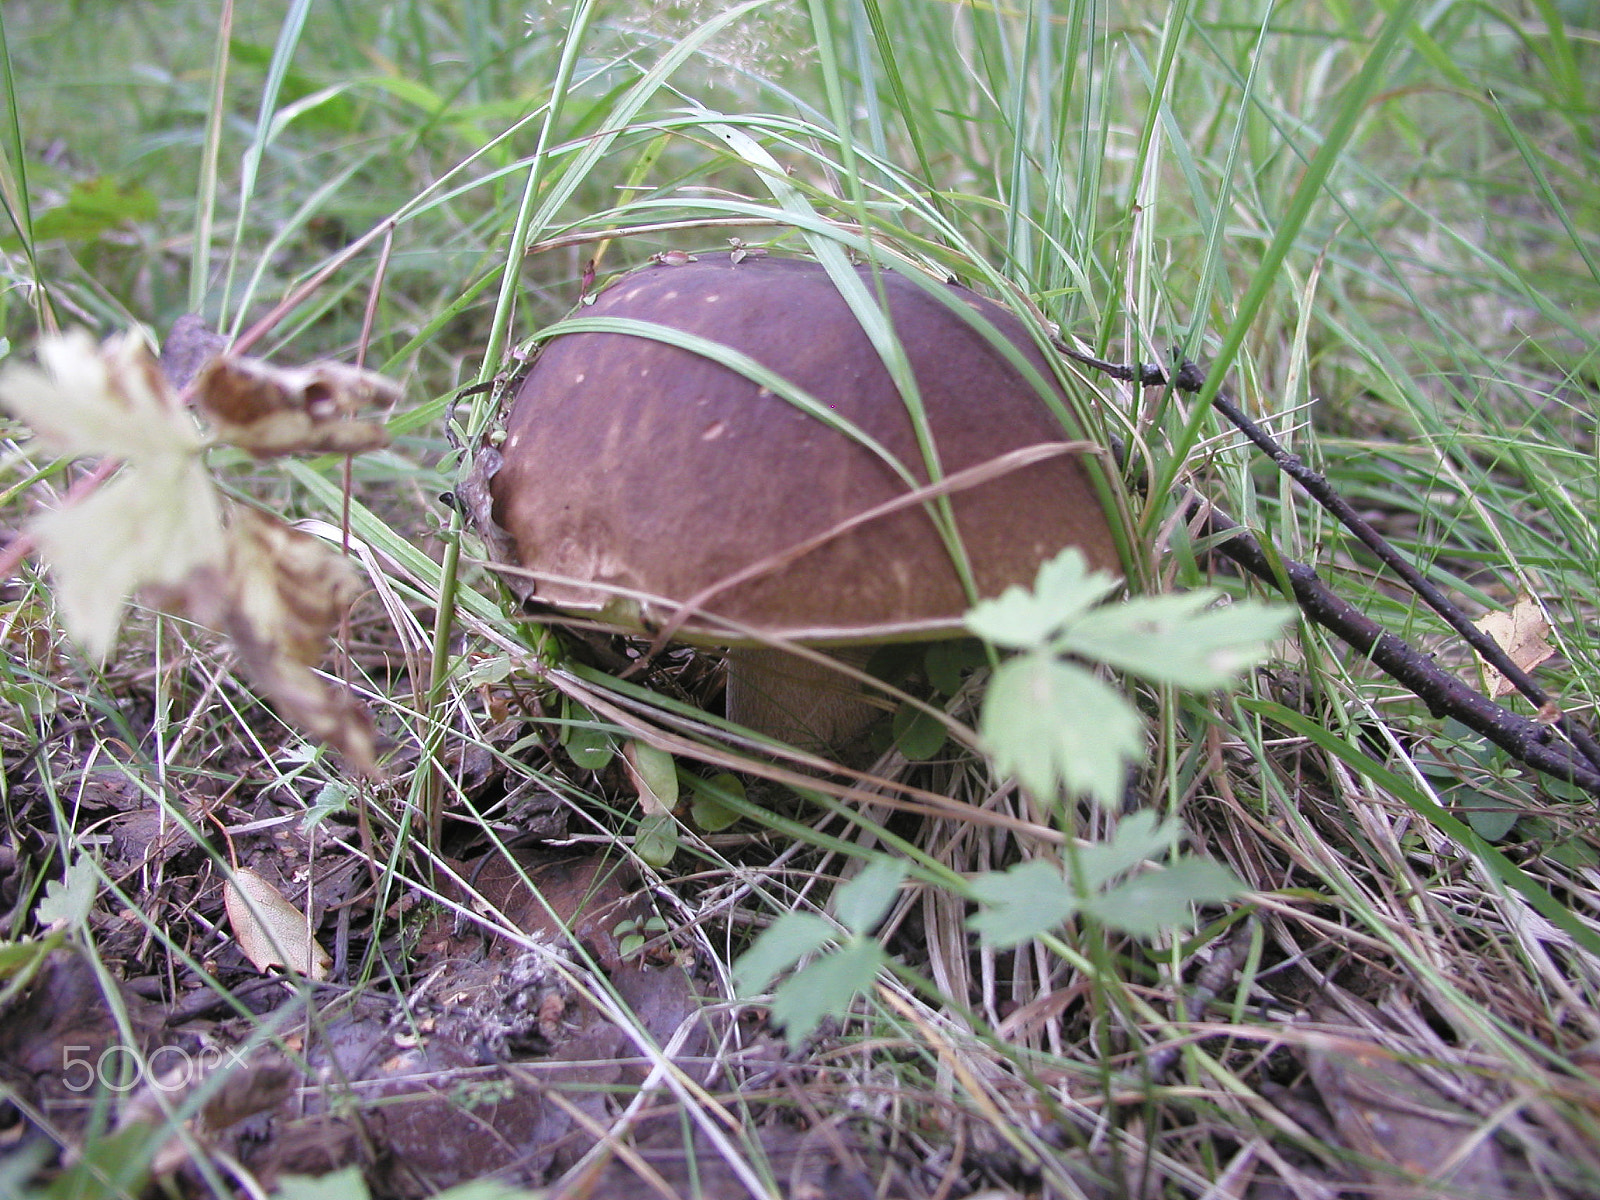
633, 464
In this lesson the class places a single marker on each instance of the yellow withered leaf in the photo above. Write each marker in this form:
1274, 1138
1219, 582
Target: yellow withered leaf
1523, 634
161, 527
110, 399
270, 930
152, 525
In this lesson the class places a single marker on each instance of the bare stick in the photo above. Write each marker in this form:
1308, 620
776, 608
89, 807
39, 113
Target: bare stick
1529, 741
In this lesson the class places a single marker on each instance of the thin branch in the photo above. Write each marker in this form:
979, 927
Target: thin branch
1320, 490
1530, 741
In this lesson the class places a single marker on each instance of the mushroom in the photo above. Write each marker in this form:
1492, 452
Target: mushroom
711, 465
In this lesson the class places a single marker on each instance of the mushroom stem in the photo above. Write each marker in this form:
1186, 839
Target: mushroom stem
810, 705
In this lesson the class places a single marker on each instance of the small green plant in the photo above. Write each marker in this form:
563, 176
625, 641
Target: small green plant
709, 810
1101, 883
633, 934
655, 777
1048, 720
61, 911
585, 741
827, 986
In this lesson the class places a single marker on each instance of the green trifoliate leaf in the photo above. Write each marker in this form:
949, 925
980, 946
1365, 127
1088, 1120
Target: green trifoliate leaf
1028, 899
67, 901
1054, 725
782, 944
1177, 639
1151, 903
1139, 836
1024, 620
826, 988
862, 903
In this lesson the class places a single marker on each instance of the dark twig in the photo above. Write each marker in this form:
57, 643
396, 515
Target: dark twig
1320, 490
1527, 740
1530, 741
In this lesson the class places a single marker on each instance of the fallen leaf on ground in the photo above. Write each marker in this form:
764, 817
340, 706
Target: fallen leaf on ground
1522, 633
250, 1087
1388, 1113
271, 931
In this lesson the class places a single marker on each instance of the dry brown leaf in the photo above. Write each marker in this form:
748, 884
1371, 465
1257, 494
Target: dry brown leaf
289, 586
153, 524
271, 410
1388, 1112
1522, 633
279, 596
251, 1086
271, 931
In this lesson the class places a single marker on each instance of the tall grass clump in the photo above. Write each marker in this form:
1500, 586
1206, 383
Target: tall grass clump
1305, 895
